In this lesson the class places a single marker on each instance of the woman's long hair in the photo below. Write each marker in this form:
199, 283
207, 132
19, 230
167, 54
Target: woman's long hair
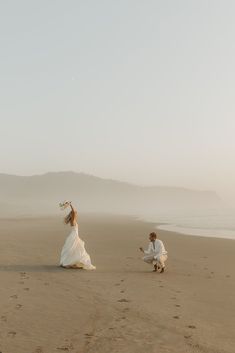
68, 218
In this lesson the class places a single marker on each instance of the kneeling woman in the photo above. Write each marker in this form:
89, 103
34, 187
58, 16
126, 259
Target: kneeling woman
73, 254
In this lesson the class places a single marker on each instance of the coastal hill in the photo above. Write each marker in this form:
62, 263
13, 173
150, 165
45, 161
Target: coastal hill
40, 194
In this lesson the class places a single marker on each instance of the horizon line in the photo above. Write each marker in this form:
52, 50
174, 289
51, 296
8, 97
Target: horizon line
108, 179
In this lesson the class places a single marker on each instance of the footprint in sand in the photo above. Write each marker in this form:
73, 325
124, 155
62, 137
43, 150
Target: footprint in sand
27, 289
18, 306
122, 280
187, 336
228, 276
14, 296
161, 286
23, 275
88, 337
176, 317
117, 284
123, 300
177, 305
3, 318
125, 310
11, 334
191, 326
39, 350
122, 291
65, 348
195, 346
47, 284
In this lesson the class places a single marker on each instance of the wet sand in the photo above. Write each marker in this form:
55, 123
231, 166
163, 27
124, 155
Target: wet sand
122, 306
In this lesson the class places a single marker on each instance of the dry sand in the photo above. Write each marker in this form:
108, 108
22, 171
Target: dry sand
122, 306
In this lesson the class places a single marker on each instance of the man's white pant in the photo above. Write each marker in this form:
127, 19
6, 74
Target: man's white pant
159, 260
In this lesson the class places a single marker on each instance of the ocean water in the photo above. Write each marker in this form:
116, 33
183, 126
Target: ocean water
218, 223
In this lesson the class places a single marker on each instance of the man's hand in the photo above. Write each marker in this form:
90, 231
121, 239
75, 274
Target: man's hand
141, 249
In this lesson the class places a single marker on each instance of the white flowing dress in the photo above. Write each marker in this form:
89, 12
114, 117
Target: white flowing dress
74, 252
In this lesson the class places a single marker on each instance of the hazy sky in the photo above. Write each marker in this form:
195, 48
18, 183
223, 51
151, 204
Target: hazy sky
142, 91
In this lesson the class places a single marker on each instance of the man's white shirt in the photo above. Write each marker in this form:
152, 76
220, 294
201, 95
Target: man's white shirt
156, 249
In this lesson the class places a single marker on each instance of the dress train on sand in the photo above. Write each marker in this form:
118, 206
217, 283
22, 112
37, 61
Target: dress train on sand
74, 253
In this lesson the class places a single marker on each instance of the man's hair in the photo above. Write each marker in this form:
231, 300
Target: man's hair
153, 234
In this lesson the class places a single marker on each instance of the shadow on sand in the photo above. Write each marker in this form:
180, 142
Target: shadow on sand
30, 268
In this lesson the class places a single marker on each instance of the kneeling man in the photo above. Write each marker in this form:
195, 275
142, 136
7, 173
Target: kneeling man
156, 253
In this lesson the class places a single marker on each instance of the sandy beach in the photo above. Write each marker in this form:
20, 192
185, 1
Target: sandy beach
122, 307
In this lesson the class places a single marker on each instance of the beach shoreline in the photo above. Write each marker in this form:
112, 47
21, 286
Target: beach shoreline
122, 306
198, 232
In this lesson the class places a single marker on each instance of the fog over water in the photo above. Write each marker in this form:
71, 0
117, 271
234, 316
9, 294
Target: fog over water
185, 210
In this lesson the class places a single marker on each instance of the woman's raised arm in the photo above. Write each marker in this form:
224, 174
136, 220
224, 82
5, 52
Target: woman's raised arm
74, 213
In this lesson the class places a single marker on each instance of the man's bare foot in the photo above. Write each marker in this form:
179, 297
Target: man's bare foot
155, 268
162, 270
